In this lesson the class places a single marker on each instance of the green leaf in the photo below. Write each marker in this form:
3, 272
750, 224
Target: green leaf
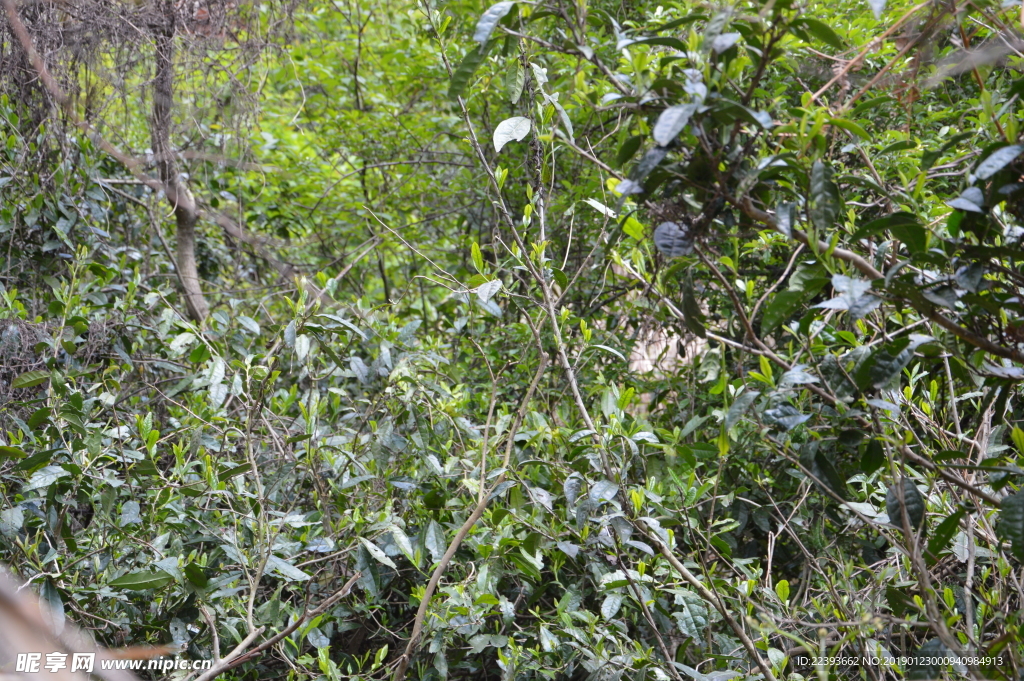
462, 75
610, 606
782, 306
943, 535
377, 553
692, 315
671, 122
196, 575
633, 228
515, 78
740, 406
782, 590
821, 31
692, 616
286, 569
851, 126
478, 257
435, 541
402, 541
825, 202
12, 453
873, 457
628, 150
563, 115
560, 278
489, 20
30, 379
913, 501
142, 580
821, 468
1011, 523
870, 104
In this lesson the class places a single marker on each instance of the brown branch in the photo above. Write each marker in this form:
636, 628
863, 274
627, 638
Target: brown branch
478, 511
186, 214
239, 656
867, 48
712, 598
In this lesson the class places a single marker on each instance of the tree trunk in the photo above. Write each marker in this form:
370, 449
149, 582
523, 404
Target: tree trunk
185, 213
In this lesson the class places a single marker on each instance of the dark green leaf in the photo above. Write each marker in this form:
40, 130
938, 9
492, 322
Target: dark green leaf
648, 163
142, 580
462, 75
824, 198
196, 575
54, 612
785, 218
879, 225
665, 41
912, 500
819, 465
943, 535
237, 470
899, 146
628, 150
515, 78
692, 315
899, 601
821, 31
870, 104
1011, 523
873, 457
38, 418
783, 306
785, 416
721, 43
885, 364
927, 662
12, 452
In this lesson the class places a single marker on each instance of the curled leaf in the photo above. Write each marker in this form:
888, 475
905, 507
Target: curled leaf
489, 20
515, 128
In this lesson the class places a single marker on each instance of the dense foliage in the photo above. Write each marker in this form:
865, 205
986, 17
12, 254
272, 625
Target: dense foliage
586, 339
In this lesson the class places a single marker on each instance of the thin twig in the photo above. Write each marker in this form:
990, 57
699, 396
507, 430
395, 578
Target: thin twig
478, 511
